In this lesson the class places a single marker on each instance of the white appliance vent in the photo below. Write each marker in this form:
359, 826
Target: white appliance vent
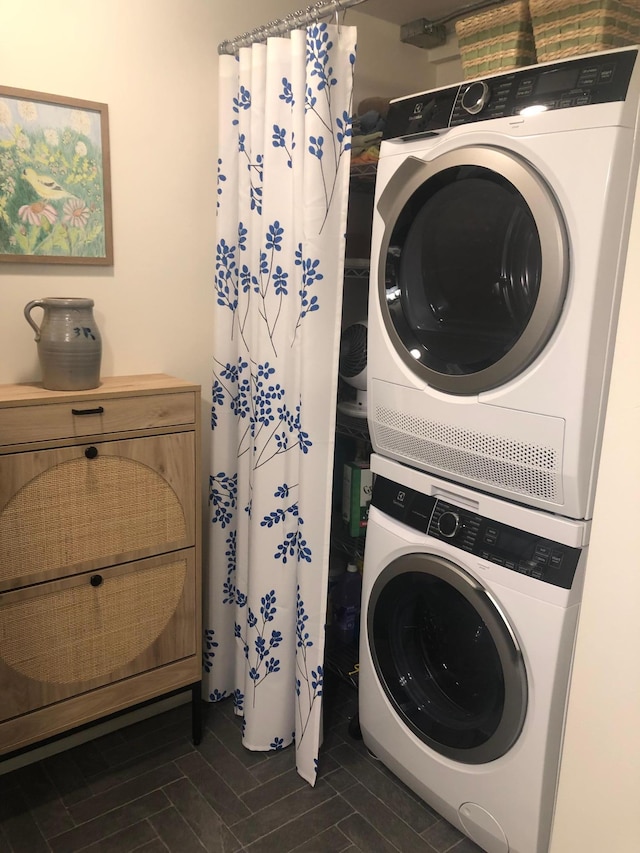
525, 469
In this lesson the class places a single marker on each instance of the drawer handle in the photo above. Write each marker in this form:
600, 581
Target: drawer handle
96, 580
91, 452
98, 411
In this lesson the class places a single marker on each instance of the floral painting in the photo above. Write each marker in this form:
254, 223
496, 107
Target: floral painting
55, 200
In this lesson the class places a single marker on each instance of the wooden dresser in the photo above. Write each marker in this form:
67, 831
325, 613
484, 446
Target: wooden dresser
100, 552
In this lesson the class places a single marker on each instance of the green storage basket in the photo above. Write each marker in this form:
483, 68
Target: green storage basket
563, 28
497, 39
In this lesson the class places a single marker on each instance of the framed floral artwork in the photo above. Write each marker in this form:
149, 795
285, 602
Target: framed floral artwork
55, 185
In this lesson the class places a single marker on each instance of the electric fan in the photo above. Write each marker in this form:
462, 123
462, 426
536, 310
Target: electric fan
352, 367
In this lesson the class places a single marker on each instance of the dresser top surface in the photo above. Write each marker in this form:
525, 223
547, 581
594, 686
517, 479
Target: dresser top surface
32, 393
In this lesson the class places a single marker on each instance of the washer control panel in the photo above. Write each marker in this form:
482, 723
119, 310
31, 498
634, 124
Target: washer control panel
516, 550
593, 79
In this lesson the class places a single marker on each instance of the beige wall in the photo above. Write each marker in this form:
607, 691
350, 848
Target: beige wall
598, 803
387, 67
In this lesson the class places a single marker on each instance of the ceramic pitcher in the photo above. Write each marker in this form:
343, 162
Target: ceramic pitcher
69, 343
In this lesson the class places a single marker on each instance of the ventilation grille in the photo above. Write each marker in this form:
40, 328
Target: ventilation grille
527, 469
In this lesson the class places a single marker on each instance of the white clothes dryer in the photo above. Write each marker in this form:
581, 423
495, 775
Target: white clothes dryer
502, 212
469, 615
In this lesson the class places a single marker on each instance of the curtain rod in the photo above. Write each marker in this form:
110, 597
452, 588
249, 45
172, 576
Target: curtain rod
290, 22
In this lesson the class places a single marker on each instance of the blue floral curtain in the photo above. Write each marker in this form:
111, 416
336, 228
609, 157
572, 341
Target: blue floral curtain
283, 176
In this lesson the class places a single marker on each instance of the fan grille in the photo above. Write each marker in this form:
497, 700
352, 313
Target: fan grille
353, 350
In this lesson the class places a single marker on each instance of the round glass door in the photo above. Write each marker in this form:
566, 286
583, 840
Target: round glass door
473, 268
447, 660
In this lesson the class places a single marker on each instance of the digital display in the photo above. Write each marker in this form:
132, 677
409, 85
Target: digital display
557, 81
514, 542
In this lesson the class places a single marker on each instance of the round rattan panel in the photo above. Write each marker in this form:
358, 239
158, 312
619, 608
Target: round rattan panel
85, 632
85, 509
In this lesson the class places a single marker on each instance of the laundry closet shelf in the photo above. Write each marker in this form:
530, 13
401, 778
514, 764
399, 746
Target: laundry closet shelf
342, 659
363, 176
356, 268
351, 426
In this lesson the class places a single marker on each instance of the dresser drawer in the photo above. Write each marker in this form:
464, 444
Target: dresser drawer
93, 416
73, 509
64, 638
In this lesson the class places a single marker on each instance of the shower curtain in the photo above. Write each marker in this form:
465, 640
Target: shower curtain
283, 171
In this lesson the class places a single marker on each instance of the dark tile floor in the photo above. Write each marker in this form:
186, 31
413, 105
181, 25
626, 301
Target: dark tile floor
147, 788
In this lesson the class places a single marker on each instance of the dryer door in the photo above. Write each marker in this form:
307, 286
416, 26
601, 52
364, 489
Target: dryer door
473, 267
447, 659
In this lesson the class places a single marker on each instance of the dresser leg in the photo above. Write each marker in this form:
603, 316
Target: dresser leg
196, 712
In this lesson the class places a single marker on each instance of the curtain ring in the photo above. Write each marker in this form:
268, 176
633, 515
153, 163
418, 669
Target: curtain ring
336, 4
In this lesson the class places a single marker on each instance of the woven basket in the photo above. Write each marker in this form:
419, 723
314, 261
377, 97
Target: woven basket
500, 38
564, 28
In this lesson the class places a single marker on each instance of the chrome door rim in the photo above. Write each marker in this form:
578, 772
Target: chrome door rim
409, 177
504, 638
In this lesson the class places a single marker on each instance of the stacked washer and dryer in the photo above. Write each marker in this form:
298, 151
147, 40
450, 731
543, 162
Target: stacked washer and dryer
501, 221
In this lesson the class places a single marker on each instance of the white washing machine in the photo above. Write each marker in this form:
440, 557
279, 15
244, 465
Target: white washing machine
499, 237
469, 614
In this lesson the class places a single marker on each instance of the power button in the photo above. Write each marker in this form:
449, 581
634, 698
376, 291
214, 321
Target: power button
449, 524
475, 97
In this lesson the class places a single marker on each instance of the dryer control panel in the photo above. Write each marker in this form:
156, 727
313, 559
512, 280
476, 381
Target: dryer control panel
516, 550
584, 80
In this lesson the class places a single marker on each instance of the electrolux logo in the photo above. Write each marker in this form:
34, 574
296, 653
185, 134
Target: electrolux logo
400, 498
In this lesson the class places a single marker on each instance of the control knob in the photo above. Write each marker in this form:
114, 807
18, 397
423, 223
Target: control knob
475, 97
449, 524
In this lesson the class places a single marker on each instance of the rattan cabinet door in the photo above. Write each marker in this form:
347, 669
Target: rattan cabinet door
65, 638
85, 507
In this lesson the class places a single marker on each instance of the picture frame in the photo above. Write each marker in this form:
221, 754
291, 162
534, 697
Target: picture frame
55, 179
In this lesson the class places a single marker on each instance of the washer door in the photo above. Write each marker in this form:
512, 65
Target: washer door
447, 659
473, 267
